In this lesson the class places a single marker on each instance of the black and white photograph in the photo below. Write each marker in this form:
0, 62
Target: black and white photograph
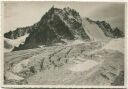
64, 43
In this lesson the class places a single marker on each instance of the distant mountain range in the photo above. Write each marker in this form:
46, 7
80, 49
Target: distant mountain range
58, 24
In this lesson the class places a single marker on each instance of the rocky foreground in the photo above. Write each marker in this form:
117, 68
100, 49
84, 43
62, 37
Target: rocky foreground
76, 63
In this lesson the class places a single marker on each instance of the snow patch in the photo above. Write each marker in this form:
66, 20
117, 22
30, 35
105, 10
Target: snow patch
116, 44
87, 65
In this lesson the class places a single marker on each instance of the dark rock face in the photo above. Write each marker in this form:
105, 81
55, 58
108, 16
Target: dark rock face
58, 23
55, 25
108, 31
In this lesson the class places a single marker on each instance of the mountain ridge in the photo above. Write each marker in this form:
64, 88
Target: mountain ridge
58, 24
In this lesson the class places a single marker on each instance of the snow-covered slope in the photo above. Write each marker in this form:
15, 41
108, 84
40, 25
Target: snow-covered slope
93, 30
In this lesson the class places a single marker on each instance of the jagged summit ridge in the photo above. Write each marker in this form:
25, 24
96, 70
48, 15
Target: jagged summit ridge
68, 18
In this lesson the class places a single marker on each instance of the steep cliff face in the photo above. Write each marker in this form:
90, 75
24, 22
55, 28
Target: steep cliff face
55, 25
58, 24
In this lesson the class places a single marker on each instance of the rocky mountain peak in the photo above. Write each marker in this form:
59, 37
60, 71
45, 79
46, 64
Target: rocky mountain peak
55, 25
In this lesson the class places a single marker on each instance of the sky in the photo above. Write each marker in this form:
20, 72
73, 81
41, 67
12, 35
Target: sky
21, 13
